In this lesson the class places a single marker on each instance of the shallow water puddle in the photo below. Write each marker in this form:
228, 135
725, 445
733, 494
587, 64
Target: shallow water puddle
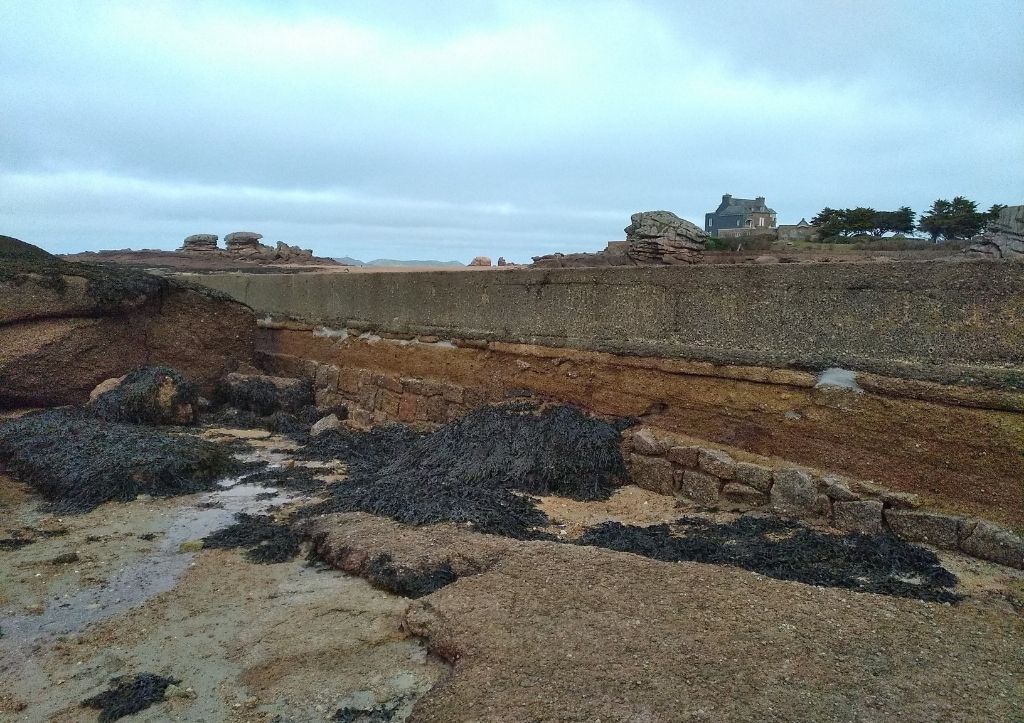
143, 577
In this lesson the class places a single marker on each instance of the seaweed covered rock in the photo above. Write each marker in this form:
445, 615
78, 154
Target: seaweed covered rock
78, 462
65, 327
263, 395
788, 550
265, 539
475, 470
150, 395
129, 694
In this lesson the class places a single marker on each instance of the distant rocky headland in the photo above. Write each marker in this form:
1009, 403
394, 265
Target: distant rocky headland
201, 252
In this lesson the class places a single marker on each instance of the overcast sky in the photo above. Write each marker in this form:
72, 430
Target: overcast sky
445, 130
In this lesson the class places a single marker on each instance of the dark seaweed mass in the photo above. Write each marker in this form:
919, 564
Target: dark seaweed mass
264, 539
383, 713
478, 470
262, 397
411, 582
128, 695
787, 550
136, 398
78, 462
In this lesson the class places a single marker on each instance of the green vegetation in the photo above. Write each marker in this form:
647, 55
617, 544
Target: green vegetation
945, 220
846, 222
955, 219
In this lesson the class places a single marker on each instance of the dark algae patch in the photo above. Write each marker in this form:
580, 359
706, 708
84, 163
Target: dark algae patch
478, 470
149, 395
262, 397
78, 462
382, 572
128, 695
383, 713
787, 550
264, 539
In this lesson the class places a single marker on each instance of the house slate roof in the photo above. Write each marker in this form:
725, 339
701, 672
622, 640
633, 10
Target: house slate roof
743, 206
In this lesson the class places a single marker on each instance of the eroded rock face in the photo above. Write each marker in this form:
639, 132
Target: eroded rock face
661, 237
481, 261
66, 327
1004, 239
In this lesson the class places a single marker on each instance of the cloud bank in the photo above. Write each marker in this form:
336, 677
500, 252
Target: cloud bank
505, 128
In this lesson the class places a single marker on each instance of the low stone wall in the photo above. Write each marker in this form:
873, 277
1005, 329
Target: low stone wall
708, 476
958, 448
713, 478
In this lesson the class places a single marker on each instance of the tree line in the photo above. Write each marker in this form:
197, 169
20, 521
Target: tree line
948, 220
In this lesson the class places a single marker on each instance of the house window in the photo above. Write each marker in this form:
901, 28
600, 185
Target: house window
760, 221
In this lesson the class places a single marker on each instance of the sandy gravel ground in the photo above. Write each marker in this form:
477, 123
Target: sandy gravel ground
115, 592
542, 631
530, 631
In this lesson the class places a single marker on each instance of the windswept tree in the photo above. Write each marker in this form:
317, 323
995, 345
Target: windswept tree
861, 220
831, 222
954, 219
902, 220
993, 211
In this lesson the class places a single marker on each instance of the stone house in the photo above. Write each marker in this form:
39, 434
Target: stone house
740, 213
802, 231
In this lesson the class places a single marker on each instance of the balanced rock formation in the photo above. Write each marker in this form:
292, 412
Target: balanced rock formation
661, 237
652, 238
65, 327
200, 243
243, 242
481, 261
1004, 238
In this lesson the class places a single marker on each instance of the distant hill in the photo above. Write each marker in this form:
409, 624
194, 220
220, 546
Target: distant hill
396, 262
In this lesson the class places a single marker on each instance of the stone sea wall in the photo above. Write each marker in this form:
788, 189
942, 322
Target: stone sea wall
957, 323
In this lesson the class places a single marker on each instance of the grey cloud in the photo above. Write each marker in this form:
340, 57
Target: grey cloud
507, 128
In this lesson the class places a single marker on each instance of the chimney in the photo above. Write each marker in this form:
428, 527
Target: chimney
726, 197
760, 200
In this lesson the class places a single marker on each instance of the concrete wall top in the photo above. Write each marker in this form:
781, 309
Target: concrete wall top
949, 322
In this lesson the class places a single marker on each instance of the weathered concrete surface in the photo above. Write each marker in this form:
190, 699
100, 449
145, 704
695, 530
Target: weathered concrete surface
929, 320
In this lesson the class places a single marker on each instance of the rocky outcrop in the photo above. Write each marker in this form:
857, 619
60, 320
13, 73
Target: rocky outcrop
200, 243
263, 395
481, 261
661, 237
653, 238
247, 244
285, 252
1004, 238
66, 327
243, 242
